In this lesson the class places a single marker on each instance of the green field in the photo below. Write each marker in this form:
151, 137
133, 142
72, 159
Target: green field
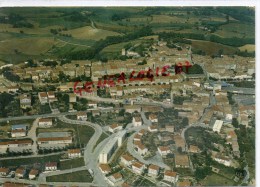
79, 176
212, 48
217, 180
29, 161
73, 163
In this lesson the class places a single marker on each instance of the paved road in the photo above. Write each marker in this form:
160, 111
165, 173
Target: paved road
90, 157
32, 135
36, 116
34, 182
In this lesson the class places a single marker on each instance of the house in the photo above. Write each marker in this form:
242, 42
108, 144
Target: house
182, 161
4, 171
184, 183
18, 133
12, 89
142, 132
170, 176
127, 159
217, 126
20, 172
19, 130
222, 160
153, 118
92, 104
153, 128
51, 166
33, 174
95, 113
25, 101
169, 128
194, 149
164, 150
74, 153
137, 121
82, 116
138, 167
115, 178
54, 138
141, 149
45, 122
137, 137
114, 128
105, 168
43, 97
51, 96
153, 170
72, 98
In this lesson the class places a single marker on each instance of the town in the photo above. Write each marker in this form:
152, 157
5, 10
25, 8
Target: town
101, 123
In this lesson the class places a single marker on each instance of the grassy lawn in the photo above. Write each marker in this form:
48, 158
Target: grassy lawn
79, 176
143, 182
248, 47
217, 180
236, 30
82, 134
29, 161
73, 163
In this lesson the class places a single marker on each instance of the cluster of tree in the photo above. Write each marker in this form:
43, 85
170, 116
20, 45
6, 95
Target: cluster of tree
8, 74
236, 42
168, 36
16, 20
50, 63
5, 100
119, 16
90, 53
172, 43
76, 16
244, 14
195, 69
198, 52
245, 53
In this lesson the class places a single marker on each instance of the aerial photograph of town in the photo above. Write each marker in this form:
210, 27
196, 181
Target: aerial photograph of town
127, 96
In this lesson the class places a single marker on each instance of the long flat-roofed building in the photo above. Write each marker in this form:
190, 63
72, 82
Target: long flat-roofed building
108, 151
54, 138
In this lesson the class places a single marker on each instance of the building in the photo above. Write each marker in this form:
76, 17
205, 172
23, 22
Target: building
43, 97
114, 128
13, 184
72, 98
105, 168
153, 170
170, 176
20, 173
184, 183
92, 104
54, 138
4, 171
222, 160
51, 96
137, 121
182, 161
115, 178
51, 166
33, 174
74, 153
141, 149
82, 116
19, 130
153, 118
164, 150
217, 126
153, 128
45, 122
108, 151
18, 133
25, 101
194, 149
126, 159
138, 167
111, 147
